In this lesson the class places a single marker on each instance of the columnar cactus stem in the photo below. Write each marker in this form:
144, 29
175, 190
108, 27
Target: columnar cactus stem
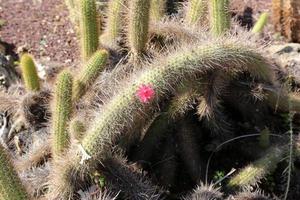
261, 22
114, 24
138, 27
219, 16
253, 173
61, 112
196, 11
11, 187
89, 28
29, 73
91, 71
157, 9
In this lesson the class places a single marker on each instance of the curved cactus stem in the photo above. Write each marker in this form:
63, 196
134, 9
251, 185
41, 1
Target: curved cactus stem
29, 73
11, 187
198, 60
61, 113
90, 72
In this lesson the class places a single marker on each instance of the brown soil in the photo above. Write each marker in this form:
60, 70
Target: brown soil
42, 26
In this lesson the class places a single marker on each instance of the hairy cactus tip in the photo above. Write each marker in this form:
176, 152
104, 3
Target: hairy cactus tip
29, 73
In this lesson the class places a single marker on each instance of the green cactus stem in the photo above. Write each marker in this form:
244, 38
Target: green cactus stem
77, 129
29, 73
254, 172
219, 17
90, 72
161, 76
157, 9
260, 24
89, 28
61, 112
11, 187
139, 14
114, 24
196, 11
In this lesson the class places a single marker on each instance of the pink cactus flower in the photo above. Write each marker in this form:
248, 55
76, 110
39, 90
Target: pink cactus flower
145, 93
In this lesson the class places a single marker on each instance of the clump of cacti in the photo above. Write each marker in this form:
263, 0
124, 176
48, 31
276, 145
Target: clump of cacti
153, 131
29, 73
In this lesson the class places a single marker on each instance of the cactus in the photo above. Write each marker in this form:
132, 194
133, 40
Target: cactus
139, 12
157, 9
91, 71
253, 173
29, 73
114, 24
261, 22
161, 77
61, 112
11, 187
204, 192
219, 16
196, 11
77, 129
89, 28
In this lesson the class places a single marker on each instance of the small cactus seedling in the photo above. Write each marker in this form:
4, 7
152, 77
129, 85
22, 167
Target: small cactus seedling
61, 112
91, 71
260, 24
29, 73
89, 28
139, 14
219, 16
196, 10
11, 187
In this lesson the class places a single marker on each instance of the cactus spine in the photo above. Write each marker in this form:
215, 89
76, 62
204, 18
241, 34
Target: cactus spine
114, 24
91, 71
138, 25
89, 28
11, 187
61, 112
196, 11
219, 16
29, 73
195, 60
261, 22
157, 9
